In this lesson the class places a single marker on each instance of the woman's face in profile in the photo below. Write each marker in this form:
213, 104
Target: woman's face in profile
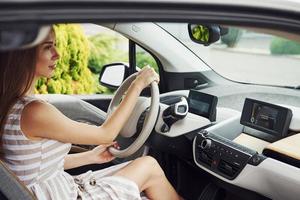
46, 57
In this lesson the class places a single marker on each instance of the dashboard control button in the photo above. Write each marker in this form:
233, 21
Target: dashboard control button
165, 128
256, 159
206, 144
203, 132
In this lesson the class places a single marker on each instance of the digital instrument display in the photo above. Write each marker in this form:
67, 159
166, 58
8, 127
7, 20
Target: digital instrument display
203, 104
266, 117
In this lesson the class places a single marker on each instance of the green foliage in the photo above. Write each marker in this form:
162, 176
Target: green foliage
144, 58
104, 51
232, 37
200, 33
71, 76
280, 46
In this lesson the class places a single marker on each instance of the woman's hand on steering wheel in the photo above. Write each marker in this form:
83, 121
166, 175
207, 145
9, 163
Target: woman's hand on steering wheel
100, 154
145, 77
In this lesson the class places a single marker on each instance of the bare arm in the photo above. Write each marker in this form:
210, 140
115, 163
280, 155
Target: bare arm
77, 160
98, 155
42, 120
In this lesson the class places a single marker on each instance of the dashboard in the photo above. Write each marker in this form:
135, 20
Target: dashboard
257, 148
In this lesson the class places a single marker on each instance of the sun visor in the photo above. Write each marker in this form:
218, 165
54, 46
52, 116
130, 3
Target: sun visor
14, 37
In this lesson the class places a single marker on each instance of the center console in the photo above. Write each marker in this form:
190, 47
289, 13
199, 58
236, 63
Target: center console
265, 134
258, 150
223, 156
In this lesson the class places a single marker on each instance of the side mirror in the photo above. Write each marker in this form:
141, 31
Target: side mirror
112, 75
204, 34
17, 36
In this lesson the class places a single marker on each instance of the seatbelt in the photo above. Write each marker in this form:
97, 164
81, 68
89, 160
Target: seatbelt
11, 186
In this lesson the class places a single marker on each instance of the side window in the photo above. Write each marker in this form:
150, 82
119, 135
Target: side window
144, 58
106, 47
84, 49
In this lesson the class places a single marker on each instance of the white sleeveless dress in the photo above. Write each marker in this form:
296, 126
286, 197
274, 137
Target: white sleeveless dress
40, 166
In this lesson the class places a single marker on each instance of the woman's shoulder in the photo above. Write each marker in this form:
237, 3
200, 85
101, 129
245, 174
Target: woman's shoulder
31, 98
33, 106
35, 116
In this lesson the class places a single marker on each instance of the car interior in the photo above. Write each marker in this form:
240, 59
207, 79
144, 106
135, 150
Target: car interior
216, 139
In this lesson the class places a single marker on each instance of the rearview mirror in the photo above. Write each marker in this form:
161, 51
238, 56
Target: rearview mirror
204, 34
112, 75
17, 36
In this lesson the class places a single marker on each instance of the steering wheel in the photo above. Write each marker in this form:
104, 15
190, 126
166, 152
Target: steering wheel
149, 120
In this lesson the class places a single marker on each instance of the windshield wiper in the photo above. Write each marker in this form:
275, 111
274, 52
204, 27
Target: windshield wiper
297, 87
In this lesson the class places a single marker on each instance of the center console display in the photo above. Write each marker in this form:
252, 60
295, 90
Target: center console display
266, 117
203, 104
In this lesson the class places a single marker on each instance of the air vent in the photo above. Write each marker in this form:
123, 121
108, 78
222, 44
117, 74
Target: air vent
227, 168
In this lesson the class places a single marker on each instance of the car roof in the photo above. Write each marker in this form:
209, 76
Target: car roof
282, 15
288, 5
16, 8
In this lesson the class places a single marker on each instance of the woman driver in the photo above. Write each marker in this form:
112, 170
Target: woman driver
36, 137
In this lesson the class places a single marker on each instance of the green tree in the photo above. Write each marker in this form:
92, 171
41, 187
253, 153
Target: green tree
201, 33
280, 46
144, 58
104, 51
72, 75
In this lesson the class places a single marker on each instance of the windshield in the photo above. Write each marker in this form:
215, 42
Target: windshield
247, 56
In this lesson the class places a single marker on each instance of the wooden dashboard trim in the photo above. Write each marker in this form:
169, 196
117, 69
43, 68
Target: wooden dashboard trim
289, 146
251, 142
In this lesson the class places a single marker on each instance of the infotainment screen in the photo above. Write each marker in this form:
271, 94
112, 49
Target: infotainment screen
266, 117
203, 104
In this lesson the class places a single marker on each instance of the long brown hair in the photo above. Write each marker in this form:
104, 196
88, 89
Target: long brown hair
17, 70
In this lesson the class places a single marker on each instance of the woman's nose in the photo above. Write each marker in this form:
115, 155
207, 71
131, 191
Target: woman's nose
55, 54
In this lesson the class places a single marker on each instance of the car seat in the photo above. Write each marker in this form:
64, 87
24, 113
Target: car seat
11, 187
